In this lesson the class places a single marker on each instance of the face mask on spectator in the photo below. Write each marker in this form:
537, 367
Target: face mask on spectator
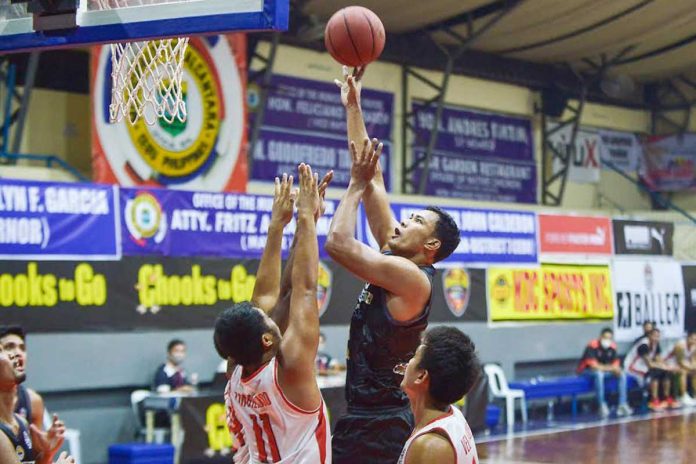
176, 358
606, 344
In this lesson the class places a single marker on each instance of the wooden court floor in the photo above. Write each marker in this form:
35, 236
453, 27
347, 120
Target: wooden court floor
660, 439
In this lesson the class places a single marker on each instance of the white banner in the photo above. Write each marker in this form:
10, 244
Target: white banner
584, 158
621, 149
648, 290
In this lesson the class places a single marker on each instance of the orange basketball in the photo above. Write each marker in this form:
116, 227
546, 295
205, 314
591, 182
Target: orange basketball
354, 36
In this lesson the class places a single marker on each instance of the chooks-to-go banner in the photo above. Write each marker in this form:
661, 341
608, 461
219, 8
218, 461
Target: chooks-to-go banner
42, 220
648, 291
182, 223
550, 293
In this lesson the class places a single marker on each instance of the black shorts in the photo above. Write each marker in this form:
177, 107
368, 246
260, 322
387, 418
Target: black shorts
371, 437
655, 374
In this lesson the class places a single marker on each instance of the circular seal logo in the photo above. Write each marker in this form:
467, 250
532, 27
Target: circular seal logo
199, 153
20, 452
145, 219
501, 288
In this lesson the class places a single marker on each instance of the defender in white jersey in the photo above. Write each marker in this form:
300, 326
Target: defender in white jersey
274, 406
682, 358
443, 370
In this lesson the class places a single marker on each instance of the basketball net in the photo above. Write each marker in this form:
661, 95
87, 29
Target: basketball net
146, 76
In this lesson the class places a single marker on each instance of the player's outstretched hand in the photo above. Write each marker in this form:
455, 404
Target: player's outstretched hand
350, 86
308, 199
64, 458
322, 194
283, 200
365, 161
50, 441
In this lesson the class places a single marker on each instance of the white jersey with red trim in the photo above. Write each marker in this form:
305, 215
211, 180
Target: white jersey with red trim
268, 428
634, 363
454, 427
688, 353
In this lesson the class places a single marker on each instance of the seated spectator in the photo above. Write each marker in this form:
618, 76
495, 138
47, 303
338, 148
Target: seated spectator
28, 403
600, 360
324, 362
170, 376
682, 358
645, 364
647, 328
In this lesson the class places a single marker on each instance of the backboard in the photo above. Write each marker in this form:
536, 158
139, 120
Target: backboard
21, 28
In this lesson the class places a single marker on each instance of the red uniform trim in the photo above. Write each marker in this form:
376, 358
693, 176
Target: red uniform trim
320, 435
287, 401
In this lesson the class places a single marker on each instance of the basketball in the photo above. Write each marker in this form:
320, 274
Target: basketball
354, 36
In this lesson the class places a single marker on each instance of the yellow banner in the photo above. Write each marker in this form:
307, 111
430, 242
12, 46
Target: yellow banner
550, 292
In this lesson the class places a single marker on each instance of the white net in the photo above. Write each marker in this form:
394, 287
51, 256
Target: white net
146, 76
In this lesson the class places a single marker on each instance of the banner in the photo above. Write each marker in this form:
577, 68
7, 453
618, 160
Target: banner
487, 235
583, 157
643, 237
138, 293
648, 291
565, 234
183, 223
550, 293
670, 162
689, 276
622, 149
304, 121
206, 152
42, 220
478, 156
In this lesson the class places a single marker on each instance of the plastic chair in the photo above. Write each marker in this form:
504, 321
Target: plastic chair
500, 389
137, 397
72, 437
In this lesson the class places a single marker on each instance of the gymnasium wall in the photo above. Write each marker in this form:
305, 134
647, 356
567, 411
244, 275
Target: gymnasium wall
87, 377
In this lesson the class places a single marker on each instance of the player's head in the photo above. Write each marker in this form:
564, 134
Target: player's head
9, 373
12, 340
244, 334
648, 326
176, 351
606, 337
445, 366
654, 335
430, 231
691, 337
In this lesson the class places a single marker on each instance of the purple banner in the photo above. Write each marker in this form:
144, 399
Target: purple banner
304, 121
478, 156
203, 224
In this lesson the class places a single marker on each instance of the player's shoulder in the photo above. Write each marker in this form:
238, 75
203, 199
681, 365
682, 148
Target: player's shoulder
431, 446
34, 395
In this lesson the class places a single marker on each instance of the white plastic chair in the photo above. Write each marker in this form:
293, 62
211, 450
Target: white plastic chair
500, 389
72, 437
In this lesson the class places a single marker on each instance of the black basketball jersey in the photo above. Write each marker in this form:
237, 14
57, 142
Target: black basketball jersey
21, 442
376, 344
23, 405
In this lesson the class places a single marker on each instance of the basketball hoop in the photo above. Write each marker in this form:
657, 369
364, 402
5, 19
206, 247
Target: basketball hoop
146, 76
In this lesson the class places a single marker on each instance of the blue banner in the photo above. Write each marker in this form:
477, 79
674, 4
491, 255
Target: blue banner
478, 156
488, 236
204, 224
304, 121
41, 220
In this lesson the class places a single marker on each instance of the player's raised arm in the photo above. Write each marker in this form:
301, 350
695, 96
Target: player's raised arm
398, 275
298, 348
379, 214
267, 290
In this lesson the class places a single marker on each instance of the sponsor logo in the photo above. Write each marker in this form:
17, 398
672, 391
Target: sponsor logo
457, 285
145, 219
324, 284
502, 289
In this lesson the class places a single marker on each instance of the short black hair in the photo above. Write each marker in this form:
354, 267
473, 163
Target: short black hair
450, 358
173, 343
606, 330
446, 231
238, 332
17, 330
648, 322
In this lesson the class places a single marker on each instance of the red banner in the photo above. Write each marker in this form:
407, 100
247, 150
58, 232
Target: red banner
575, 234
208, 151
